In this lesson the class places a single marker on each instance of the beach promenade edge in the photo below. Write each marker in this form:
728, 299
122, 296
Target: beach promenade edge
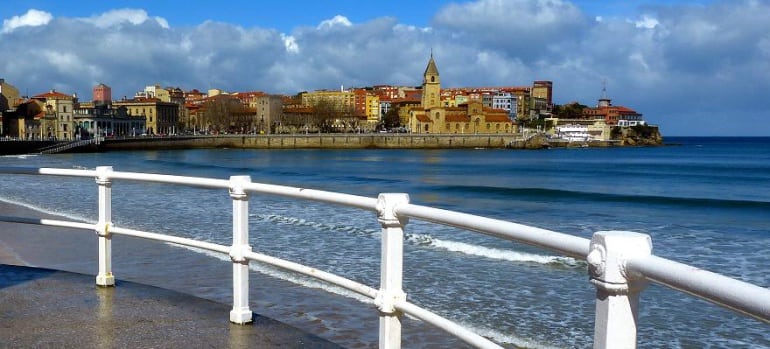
52, 308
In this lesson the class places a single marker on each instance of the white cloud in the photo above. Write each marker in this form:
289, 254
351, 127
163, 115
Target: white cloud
336, 21
647, 22
118, 17
290, 43
33, 18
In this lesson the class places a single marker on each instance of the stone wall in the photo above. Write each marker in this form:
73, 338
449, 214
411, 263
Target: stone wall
317, 141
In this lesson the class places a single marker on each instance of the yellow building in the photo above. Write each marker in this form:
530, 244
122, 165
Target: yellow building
58, 121
470, 117
161, 117
343, 101
372, 109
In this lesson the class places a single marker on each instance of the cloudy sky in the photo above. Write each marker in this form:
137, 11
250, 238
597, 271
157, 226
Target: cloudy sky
694, 67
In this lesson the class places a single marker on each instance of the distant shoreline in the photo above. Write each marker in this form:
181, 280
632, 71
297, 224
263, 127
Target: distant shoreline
321, 141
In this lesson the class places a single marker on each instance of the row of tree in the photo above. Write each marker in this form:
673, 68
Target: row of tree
227, 113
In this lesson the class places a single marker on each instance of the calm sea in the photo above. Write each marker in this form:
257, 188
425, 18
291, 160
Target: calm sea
704, 201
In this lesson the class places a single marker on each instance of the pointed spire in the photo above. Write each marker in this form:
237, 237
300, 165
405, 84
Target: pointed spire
431, 69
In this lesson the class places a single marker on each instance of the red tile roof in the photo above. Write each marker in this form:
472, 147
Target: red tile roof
53, 94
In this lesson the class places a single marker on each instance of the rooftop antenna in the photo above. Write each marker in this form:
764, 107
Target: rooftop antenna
604, 88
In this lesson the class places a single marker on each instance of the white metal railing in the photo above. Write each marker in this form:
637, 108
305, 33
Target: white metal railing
620, 264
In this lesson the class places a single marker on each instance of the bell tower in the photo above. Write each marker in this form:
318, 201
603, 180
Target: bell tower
431, 86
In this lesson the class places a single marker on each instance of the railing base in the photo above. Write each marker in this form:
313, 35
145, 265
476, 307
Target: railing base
106, 280
241, 317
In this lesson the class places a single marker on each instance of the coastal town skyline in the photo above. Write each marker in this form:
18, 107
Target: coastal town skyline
673, 62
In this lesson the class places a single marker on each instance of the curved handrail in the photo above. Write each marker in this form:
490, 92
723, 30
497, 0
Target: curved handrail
359, 288
736, 295
569, 245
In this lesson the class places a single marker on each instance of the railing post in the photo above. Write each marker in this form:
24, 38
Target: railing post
241, 314
617, 291
104, 277
391, 268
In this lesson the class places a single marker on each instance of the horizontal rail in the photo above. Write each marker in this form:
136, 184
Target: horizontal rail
49, 222
172, 239
355, 201
742, 297
369, 292
314, 273
48, 171
200, 182
569, 245
448, 326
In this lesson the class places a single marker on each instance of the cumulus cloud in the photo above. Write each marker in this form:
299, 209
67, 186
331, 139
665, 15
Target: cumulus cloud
688, 68
121, 16
290, 43
336, 21
32, 18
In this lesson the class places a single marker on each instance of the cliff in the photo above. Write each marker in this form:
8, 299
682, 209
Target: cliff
639, 135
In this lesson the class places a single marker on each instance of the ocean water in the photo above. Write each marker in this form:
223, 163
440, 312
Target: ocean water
704, 202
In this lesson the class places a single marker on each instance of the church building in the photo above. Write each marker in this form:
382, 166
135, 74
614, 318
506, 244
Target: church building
471, 117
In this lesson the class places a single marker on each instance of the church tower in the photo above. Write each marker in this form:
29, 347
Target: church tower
431, 86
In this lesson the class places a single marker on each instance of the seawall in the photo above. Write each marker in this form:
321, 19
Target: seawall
22, 147
317, 141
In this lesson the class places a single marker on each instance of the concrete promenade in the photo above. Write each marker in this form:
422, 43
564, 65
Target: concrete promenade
43, 308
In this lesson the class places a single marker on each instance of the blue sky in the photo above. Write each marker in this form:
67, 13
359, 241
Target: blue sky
694, 67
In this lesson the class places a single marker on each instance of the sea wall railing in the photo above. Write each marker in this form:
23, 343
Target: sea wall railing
60, 147
620, 264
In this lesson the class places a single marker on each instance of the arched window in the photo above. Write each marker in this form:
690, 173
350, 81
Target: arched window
432, 79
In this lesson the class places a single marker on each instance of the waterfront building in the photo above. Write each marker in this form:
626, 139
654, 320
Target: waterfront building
432, 116
405, 106
99, 119
161, 117
543, 89
58, 121
342, 101
613, 115
269, 109
505, 101
373, 116
578, 129
385, 105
